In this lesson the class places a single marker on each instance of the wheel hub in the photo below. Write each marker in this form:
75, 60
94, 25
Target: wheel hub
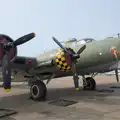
35, 90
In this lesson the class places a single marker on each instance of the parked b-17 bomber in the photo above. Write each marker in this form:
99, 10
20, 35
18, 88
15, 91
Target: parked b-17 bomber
90, 58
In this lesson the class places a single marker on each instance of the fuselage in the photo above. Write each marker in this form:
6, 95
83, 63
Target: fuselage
97, 57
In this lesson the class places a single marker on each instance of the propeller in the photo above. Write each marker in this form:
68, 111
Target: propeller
6, 68
74, 57
73, 54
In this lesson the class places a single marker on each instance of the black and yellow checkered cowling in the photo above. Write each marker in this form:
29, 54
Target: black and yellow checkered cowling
63, 61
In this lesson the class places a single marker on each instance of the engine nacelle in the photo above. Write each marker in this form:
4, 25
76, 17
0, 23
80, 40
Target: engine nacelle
63, 61
13, 51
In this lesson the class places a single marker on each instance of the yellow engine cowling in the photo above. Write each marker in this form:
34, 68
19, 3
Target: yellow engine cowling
63, 61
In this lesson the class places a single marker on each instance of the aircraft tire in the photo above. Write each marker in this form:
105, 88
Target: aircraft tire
38, 90
91, 84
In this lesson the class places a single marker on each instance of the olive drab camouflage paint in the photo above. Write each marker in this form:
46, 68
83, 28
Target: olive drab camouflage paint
97, 57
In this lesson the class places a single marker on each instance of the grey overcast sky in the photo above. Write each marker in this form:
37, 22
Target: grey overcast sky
60, 18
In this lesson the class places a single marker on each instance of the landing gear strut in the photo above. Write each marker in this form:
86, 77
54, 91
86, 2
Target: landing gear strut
89, 83
38, 90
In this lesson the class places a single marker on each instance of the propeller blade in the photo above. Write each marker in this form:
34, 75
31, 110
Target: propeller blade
81, 49
59, 44
6, 71
117, 77
24, 39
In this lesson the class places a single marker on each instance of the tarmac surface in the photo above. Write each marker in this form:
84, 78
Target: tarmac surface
87, 105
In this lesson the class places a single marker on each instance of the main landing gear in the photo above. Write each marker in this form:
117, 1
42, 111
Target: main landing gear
89, 83
38, 90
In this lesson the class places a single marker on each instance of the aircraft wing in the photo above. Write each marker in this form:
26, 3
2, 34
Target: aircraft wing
23, 63
20, 65
43, 67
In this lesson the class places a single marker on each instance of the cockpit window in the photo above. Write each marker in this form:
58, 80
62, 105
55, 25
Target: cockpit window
81, 42
73, 42
88, 40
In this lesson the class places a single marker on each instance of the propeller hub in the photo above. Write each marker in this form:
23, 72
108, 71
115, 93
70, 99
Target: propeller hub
75, 56
6, 45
